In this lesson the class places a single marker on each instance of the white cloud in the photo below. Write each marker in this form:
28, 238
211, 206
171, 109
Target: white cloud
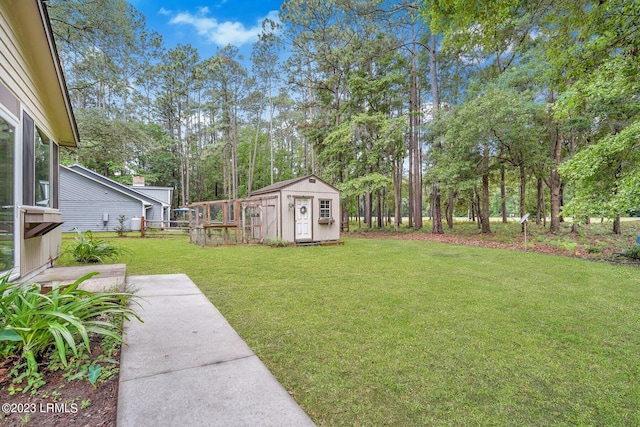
220, 33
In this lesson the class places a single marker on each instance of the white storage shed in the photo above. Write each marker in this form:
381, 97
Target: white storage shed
305, 210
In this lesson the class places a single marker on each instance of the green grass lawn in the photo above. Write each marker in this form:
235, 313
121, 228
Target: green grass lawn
393, 332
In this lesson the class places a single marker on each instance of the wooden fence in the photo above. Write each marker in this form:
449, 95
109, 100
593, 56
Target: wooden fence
163, 228
224, 222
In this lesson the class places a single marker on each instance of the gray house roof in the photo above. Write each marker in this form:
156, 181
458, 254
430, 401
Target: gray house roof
103, 183
116, 185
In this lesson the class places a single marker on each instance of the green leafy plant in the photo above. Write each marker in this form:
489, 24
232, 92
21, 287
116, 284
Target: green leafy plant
93, 374
32, 323
85, 404
121, 229
87, 249
275, 242
19, 373
592, 249
633, 252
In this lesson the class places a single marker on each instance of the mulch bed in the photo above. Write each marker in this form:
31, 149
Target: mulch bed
59, 402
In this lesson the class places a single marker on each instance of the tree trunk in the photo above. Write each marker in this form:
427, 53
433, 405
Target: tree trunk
562, 185
477, 209
436, 210
379, 213
414, 111
523, 192
254, 154
450, 209
472, 209
540, 201
484, 214
271, 149
616, 225
555, 200
503, 197
410, 186
368, 209
554, 178
397, 194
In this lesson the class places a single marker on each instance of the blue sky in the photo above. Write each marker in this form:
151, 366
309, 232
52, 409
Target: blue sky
208, 24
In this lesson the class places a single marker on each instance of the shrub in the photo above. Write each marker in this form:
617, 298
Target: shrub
633, 252
592, 249
121, 229
87, 249
32, 323
275, 242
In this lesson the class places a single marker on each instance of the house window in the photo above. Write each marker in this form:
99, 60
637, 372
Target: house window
7, 222
36, 165
325, 208
42, 170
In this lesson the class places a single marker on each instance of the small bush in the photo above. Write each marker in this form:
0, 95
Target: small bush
33, 323
592, 249
121, 229
275, 243
88, 250
633, 252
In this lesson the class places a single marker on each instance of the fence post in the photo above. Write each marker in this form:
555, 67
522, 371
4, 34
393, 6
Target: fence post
237, 215
142, 225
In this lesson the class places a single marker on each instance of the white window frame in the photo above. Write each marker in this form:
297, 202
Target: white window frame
17, 186
329, 208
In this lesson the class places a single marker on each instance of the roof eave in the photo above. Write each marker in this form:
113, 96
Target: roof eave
44, 15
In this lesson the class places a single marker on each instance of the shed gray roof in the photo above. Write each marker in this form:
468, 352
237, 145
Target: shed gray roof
277, 186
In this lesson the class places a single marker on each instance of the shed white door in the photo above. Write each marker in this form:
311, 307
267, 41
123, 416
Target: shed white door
303, 220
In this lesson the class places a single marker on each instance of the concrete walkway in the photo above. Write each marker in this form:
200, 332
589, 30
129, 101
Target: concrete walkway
186, 366
110, 277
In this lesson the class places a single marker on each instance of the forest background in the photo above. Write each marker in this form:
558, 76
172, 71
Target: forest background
412, 109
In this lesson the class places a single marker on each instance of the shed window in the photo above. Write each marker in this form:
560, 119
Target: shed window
325, 208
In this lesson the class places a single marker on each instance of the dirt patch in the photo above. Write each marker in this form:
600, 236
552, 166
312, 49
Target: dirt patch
60, 402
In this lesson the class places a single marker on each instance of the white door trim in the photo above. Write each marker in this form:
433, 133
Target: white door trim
303, 219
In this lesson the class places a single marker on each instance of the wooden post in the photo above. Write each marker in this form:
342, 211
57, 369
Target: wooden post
142, 226
237, 214
243, 208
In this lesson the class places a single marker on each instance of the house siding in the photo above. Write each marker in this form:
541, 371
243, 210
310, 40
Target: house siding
36, 253
83, 203
162, 194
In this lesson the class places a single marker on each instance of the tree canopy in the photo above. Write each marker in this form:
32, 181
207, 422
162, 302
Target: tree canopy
471, 102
